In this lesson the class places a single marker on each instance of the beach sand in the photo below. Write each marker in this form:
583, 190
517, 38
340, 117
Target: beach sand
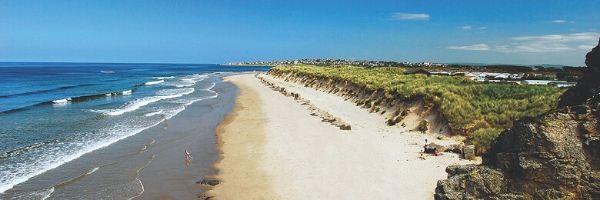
272, 148
241, 139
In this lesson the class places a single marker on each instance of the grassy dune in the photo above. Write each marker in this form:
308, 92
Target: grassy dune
478, 110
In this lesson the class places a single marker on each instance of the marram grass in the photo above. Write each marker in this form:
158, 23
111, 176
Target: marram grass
480, 110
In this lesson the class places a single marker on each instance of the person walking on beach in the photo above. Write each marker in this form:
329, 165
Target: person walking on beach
188, 157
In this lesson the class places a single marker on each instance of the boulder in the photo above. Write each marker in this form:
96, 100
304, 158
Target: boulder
345, 127
210, 182
433, 148
468, 152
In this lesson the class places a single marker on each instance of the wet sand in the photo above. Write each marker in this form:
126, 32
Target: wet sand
170, 175
272, 148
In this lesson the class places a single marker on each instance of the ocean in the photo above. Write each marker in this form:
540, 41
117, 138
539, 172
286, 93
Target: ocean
57, 113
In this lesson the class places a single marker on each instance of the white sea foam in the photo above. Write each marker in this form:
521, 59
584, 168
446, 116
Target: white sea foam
188, 81
37, 194
92, 171
47, 193
178, 91
153, 113
163, 78
54, 156
57, 156
127, 92
62, 101
138, 103
154, 82
203, 98
211, 86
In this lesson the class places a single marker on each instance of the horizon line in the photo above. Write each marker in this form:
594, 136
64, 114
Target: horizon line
229, 63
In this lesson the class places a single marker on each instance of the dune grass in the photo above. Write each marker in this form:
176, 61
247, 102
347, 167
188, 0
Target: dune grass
478, 110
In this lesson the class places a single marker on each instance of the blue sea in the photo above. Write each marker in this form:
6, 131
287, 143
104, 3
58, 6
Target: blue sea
53, 113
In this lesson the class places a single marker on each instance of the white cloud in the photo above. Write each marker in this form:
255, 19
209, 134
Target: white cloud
475, 47
555, 43
549, 43
469, 27
585, 47
410, 16
571, 37
561, 21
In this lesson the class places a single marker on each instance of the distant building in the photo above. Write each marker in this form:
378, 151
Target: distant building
505, 82
502, 76
564, 84
539, 82
477, 78
517, 76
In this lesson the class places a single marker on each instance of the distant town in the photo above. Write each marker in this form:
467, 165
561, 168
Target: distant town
362, 63
560, 76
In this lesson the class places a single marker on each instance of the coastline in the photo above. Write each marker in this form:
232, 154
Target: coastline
272, 148
147, 165
241, 151
169, 176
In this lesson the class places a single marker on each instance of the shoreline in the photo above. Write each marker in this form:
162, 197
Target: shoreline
148, 164
303, 157
237, 168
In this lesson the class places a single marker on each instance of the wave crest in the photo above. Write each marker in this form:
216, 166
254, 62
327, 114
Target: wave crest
154, 82
138, 103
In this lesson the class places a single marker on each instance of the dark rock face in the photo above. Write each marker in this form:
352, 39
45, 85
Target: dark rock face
588, 85
555, 156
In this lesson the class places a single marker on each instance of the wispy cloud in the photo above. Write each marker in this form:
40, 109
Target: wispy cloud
475, 47
583, 36
561, 21
569, 42
585, 47
550, 43
469, 27
410, 16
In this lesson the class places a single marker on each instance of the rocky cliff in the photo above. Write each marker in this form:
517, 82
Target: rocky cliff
554, 156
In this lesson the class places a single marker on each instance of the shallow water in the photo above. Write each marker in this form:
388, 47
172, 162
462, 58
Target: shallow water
66, 129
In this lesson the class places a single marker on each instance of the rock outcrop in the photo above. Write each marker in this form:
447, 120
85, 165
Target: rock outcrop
554, 156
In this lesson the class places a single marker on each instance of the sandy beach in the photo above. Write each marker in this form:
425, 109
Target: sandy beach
272, 148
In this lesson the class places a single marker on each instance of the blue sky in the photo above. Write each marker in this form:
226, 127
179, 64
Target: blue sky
220, 31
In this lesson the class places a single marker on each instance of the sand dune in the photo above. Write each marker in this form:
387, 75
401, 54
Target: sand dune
274, 149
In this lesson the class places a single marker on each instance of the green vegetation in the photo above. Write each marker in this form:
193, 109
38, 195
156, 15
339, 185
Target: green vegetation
469, 106
422, 126
483, 138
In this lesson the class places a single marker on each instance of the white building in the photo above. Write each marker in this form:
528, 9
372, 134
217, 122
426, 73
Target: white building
567, 84
517, 76
547, 82
502, 76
